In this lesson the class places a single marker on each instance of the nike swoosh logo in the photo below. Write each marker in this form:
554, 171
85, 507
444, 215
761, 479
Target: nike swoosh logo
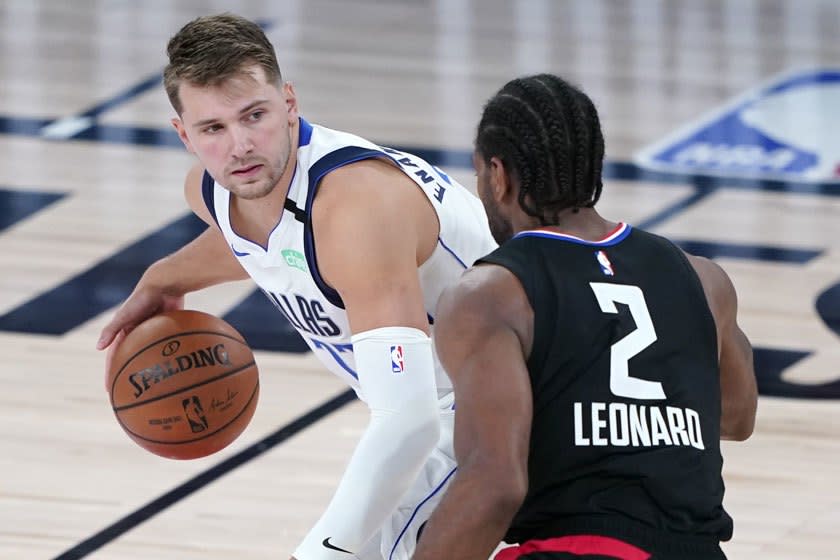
237, 253
327, 544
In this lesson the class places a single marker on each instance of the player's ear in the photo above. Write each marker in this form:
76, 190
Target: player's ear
290, 98
500, 182
182, 133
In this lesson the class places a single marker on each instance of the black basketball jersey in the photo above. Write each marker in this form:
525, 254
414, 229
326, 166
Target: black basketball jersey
626, 389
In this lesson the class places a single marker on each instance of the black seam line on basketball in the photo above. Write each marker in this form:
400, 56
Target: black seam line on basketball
176, 335
187, 333
135, 518
203, 436
182, 389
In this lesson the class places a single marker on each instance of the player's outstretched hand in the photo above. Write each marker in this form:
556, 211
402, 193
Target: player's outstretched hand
143, 303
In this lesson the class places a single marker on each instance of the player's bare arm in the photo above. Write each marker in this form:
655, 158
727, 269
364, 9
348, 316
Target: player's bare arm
372, 226
164, 284
484, 331
738, 389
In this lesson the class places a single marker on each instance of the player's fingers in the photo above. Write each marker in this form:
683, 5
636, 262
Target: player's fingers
107, 335
123, 320
109, 356
115, 326
173, 303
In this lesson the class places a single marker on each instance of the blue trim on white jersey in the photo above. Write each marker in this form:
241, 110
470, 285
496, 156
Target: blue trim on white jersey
207, 186
334, 350
330, 162
451, 252
615, 238
304, 133
414, 513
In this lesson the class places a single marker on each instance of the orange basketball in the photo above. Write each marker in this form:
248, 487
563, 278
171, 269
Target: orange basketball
183, 384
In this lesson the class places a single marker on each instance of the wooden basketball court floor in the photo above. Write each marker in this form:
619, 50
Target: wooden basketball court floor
90, 193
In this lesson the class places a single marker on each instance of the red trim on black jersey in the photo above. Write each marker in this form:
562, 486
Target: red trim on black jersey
580, 545
618, 230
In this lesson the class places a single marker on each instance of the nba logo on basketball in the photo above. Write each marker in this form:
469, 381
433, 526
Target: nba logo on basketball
397, 359
195, 414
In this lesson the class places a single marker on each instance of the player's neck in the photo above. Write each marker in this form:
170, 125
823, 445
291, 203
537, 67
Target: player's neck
585, 224
255, 219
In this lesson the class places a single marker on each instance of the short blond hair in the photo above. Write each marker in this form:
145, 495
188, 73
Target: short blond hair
210, 50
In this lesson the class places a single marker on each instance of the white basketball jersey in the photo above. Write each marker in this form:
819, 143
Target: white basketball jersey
287, 271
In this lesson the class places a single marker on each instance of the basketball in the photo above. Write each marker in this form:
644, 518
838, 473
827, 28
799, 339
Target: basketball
183, 384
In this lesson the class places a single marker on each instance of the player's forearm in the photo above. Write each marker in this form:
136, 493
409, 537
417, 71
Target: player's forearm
205, 261
396, 372
472, 518
388, 458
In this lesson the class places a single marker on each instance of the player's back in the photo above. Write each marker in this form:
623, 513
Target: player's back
624, 373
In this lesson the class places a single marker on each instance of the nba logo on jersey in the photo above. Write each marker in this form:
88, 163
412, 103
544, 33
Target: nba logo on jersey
397, 359
785, 129
604, 263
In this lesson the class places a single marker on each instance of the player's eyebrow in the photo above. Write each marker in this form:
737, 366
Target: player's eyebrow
242, 111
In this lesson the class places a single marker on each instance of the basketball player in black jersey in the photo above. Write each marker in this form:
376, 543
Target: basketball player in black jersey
596, 366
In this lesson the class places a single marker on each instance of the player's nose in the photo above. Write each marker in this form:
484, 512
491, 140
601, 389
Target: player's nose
242, 142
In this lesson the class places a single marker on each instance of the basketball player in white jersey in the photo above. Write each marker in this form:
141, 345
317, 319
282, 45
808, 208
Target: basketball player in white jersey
352, 242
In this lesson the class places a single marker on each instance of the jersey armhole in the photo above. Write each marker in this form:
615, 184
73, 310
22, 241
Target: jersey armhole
208, 185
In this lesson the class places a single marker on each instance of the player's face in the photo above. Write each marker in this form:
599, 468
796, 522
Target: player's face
501, 227
240, 130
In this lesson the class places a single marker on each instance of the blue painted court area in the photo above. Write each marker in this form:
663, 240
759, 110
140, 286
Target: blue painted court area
16, 205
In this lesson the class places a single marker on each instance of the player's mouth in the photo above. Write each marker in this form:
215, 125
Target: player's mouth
247, 171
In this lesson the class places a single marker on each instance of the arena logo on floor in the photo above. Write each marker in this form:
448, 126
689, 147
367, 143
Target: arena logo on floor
786, 129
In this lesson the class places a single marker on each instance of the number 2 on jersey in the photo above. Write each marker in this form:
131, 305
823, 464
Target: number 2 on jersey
621, 384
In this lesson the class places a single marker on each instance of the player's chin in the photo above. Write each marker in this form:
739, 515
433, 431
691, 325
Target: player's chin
252, 189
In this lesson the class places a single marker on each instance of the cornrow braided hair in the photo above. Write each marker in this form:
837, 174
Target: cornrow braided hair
548, 135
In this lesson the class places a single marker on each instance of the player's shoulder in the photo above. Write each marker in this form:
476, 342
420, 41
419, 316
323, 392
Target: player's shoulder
193, 193
717, 286
486, 300
194, 178
353, 172
484, 293
374, 172
711, 274
367, 189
